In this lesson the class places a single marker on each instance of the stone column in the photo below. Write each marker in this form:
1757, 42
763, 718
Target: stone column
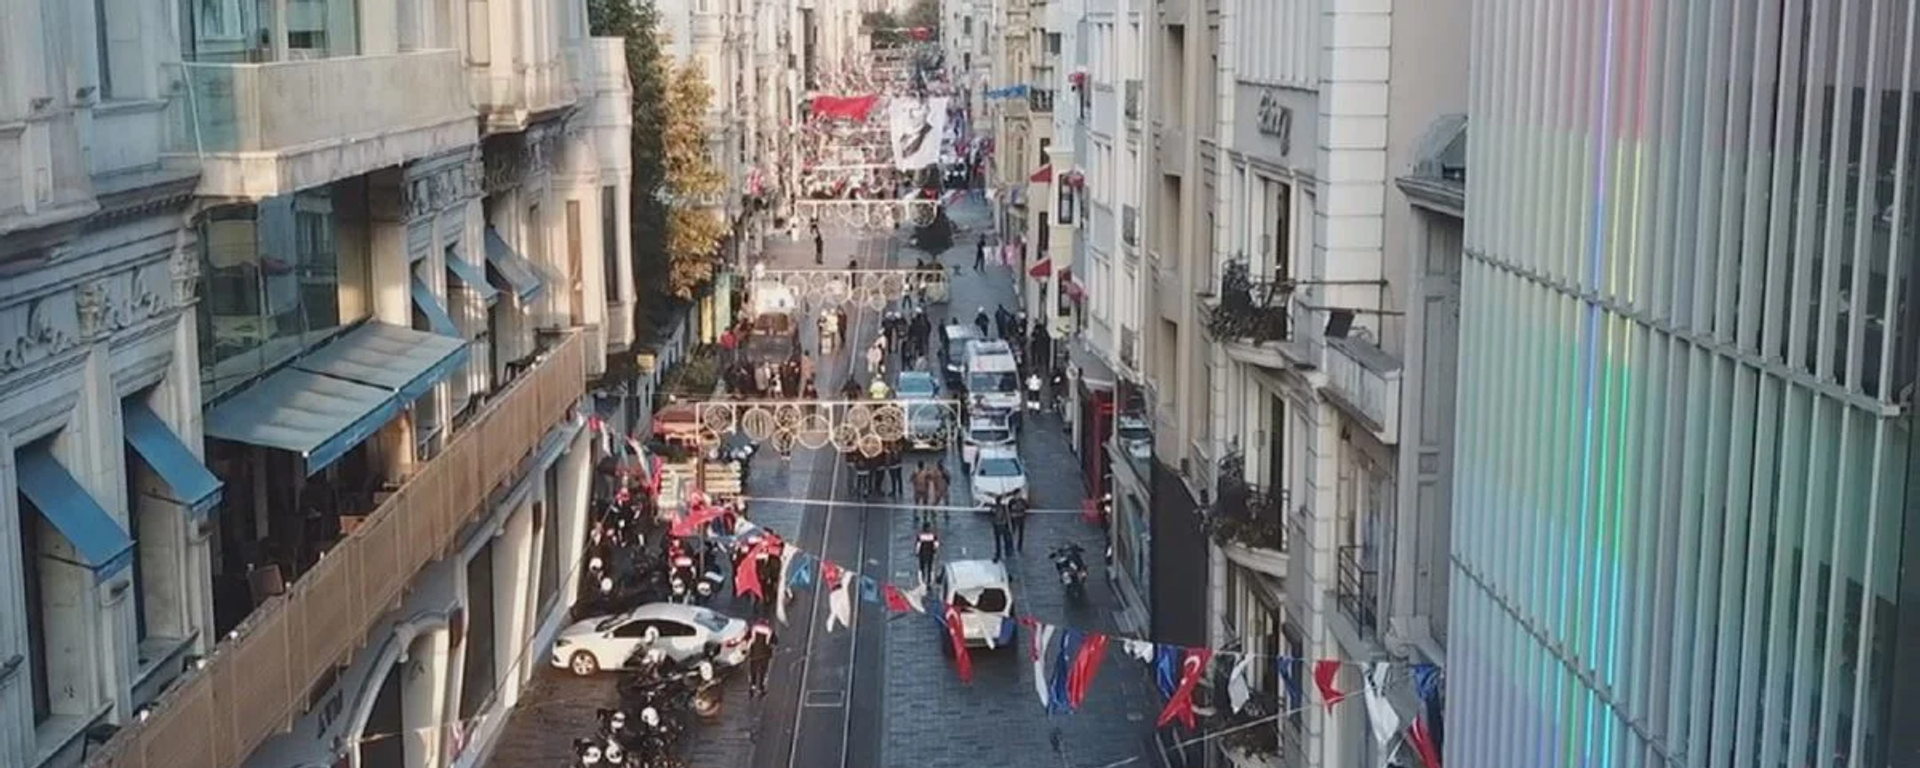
513, 581
391, 300
427, 666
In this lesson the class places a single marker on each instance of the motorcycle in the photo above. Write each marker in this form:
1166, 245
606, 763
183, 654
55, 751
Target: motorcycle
1033, 393
1069, 560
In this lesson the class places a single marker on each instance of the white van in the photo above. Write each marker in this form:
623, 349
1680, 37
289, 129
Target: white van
980, 589
993, 377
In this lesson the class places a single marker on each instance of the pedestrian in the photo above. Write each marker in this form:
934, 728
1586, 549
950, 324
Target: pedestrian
1002, 531
980, 254
1017, 514
941, 480
819, 245
894, 460
875, 354
761, 641
981, 322
806, 368
925, 548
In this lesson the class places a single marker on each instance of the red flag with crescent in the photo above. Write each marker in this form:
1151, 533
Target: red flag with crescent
1324, 672
1086, 664
1180, 704
957, 634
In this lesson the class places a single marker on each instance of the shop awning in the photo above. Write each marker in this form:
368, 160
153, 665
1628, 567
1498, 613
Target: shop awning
516, 273
99, 542
192, 484
318, 417
474, 277
403, 361
429, 305
1042, 176
1042, 270
1094, 371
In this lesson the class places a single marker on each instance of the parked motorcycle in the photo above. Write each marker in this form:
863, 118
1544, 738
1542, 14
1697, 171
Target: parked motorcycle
1069, 560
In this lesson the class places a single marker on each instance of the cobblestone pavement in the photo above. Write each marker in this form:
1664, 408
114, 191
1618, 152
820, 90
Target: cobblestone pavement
930, 719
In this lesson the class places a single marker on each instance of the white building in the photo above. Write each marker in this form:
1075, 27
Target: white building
1329, 541
1109, 349
396, 270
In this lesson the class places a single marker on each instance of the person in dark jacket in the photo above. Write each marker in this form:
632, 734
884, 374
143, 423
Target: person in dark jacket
760, 643
926, 547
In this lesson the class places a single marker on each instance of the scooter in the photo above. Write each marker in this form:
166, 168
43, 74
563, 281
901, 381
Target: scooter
1069, 560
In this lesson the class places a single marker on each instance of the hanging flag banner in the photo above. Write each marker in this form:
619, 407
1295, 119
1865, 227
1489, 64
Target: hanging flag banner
1180, 705
1009, 92
1386, 721
789, 554
1238, 690
1086, 664
1038, 636
1166, 669
916, 126
840, 600
896, 602
1324, 672
957, 635
1423, 742
1059, 687
850, 108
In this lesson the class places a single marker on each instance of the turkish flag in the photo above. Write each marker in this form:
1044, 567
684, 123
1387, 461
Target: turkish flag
1324, 672
1180, 705
896, 602
957, 635
746, 578
1422, 740
696, 518
855, 108
1086, 664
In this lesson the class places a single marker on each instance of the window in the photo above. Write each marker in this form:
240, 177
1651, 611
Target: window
477, 673
1281, 249
102, 49
610, 242
576, 262
274, 281
546, 512
38, 682
671, 628
1053, 43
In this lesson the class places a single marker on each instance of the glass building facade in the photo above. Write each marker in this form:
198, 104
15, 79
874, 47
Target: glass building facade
1682, 503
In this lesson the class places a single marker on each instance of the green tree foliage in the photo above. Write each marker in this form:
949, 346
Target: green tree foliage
667, 237
693, 230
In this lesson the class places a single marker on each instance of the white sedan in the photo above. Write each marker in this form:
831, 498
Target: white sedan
681, 632
998, 474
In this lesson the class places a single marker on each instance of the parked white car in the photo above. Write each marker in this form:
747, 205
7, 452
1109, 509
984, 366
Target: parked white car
998, 473
984, 595
984, 431
681, 632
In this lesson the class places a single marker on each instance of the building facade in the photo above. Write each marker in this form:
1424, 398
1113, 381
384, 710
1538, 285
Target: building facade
1683, 498
338, 281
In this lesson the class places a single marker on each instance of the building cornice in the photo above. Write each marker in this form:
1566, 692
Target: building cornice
135, 194
1440, 196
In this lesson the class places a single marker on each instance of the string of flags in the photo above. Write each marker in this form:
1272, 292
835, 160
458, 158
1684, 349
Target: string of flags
1066, 660
1063, 677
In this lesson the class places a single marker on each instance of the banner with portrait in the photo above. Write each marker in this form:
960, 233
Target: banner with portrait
916, 127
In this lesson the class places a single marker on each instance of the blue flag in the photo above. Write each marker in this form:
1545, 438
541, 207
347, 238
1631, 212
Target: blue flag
1289, 669
1070, 640
1426, 680
800, 574
1166, 668
869, 590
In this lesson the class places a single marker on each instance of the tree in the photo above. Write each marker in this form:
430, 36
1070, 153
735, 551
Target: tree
692, 182
923, 13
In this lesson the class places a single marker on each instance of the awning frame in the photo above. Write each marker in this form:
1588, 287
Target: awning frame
170, 458
437, 317
102, 542
474, 277
522, 278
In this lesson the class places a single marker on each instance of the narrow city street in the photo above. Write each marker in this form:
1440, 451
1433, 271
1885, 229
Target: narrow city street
882, 693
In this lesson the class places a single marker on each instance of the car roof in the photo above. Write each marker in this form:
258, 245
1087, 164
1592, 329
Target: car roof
999, 452
960, 330
989, 421
921, 377
965, 575
994, 347
675, 611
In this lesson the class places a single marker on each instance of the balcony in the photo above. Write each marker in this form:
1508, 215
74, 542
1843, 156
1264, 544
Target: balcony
1365, 382
1131, 104
258, 680
1250, 312
43, 176
1357, 588
261, 130
511, 96
1248, 522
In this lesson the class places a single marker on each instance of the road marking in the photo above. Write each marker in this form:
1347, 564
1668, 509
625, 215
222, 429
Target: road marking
824, 698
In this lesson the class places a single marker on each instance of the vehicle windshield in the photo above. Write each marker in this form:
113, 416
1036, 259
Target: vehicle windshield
990, 600
915, 386
1001, 467
710, 620
991, 435
991, 382
1135, 431
608, 623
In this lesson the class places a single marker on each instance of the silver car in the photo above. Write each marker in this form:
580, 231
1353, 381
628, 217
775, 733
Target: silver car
927, 423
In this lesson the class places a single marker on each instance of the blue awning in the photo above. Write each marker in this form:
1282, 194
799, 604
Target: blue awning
519, 274
99, 541
400, 360
429, 304
474, 276
318, 417
193, 486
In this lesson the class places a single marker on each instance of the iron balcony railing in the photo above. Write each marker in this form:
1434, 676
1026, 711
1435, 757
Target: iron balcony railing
1250, 309
1357, 587
1040, 100
257, 682
1244, 513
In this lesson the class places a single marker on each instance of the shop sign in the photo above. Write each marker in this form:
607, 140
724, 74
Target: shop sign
1274, 119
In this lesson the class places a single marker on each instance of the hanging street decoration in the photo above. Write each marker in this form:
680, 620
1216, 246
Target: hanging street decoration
1180, 704
867, 426
870, 214
872, 288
